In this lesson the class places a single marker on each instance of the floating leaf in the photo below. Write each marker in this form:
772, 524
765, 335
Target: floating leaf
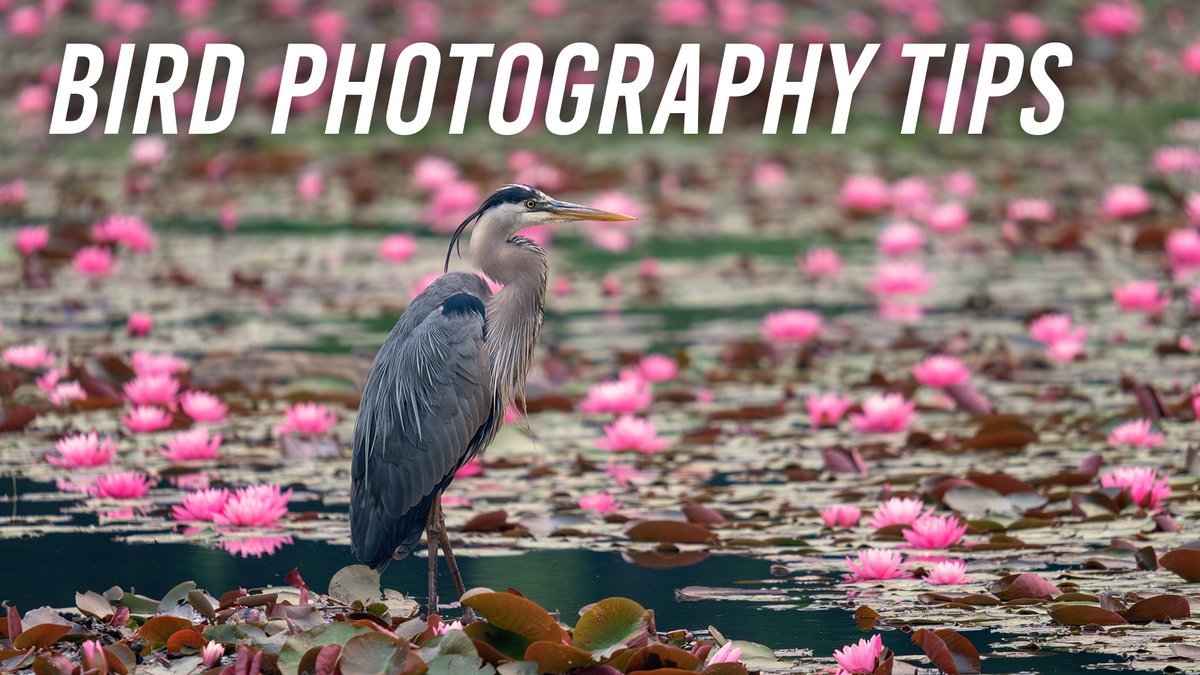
91, 603
1085, 615
671, 531
555, 657
41, 635
355, 582
159, 629
1182, 561
1158, 608
609, 623
185, 639
373, 653
516, 615
1027, 585
295, 647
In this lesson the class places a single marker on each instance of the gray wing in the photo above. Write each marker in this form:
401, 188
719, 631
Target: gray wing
427, 406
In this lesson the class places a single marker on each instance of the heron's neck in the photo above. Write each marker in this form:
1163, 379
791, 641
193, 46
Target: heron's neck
514, 314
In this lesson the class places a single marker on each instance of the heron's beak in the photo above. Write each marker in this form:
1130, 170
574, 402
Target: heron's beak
569, 211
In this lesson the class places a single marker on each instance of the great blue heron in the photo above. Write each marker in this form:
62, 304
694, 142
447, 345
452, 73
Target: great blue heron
437, 392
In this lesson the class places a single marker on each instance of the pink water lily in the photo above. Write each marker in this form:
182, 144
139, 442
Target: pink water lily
619, 396
941, 371
192, 445
884, 413
948, 573
201, 505
31, 239
896, 511
139, 324
147, 364
94, 262
309, 419
203, 407
1142, 484
935, 532
600, 502
864, 193
31, 356
1141, 296
632, 433
152, 390
657, 368
211, 653
121, 485
127, 230
826, 410
791, 325
397, 248
1136, 433
859, 658
259, 505
82, 450
65, 392
146, 419
875, 564
841, 515
820, 263
726, 654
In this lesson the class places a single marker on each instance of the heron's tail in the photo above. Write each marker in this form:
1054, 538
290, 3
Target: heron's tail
377, 538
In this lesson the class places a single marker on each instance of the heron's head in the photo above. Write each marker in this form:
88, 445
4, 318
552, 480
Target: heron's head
513, 208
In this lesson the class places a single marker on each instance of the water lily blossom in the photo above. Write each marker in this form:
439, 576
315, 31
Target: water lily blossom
874, 564
632, 433
841, 515
259, 505
948, 573
826, 410
940, 371
94, 262
203, 407
80, 450
1141, 296
600, 502
121, 485
657, 368
152, 390
192, 445
308, 419
791, 325
627, 395
211, 653
31, 239
896, 511
146, 364
934, 532
146, 419
884, 413
860, 658
821, 263
397, 248
726, 654
30, 356
1141, 483
1137, 433
201, 505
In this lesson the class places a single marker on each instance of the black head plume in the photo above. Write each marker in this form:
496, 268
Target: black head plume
509, 194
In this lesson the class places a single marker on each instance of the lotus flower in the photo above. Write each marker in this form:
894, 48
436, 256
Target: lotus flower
130, 231
203, 407
397, 248
791, 325
1137, 433
896, 511
152, 390
121, 485
146, 419
211, 653
726, 654
941, 371
600, 502
948, 573
860, 658
841, 515
826, 410
32, 238
308, 419
931, 532
864, 194
1141, 296
657, 368
632, 433
30, 356
877, 564
64, 392
900, 239
192, 445
1141, 483
259, 505
146, 364
884, 413
622, 396
255, 547
82, 450
201, 505
900, 278
820, 263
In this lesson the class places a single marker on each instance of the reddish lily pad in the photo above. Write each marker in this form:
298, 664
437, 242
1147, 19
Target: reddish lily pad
671, 531
1086, 615
1027, 585
1182, 561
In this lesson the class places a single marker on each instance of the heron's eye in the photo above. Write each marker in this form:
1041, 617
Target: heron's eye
530, 204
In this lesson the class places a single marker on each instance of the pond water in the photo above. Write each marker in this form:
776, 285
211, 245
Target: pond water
51, 568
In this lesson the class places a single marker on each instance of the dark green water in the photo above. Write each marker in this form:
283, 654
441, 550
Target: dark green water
50, 569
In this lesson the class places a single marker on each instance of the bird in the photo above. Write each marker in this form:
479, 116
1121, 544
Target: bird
438, 388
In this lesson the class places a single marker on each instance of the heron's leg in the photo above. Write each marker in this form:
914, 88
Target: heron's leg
450, 561
431, 540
